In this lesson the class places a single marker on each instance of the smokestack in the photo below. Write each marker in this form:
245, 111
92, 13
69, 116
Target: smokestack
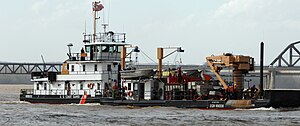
261, 68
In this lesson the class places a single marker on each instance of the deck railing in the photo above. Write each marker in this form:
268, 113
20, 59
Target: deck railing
106, 37
93, 72
60, 92
97, 56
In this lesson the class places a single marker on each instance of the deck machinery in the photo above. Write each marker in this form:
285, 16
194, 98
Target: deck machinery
239, 64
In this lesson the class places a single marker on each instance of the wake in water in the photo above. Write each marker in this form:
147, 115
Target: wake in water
87, 104
258, 109
14, 102
263, 109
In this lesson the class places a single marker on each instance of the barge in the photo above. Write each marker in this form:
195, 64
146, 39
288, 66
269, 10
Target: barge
189, 88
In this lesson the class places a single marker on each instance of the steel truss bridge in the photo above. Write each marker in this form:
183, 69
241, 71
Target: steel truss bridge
287, 59
27, 68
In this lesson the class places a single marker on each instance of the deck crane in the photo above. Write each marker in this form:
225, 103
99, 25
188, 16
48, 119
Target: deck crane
238, 63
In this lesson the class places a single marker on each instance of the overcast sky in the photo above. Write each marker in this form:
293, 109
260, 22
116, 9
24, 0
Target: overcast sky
30, 28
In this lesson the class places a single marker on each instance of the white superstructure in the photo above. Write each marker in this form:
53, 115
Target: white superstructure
93, 71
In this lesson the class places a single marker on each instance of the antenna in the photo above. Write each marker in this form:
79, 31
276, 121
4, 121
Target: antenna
108, 13
85, 27
103, 14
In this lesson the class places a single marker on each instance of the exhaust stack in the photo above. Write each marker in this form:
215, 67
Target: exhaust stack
261, 69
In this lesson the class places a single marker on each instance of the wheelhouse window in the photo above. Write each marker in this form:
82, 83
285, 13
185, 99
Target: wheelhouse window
88, 49
119, 49
72, 68
83, 67
112, 48
104, 48
96, 67
97, 48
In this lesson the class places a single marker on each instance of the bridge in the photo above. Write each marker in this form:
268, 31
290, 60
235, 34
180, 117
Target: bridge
27, 68
285, 64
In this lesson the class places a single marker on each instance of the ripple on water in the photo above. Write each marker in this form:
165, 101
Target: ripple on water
14, 112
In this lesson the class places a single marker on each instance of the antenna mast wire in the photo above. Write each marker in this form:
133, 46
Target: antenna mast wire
108, 14
149, 57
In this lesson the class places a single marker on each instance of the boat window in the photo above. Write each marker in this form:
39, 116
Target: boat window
129, 86
97, 48
98, 86
81, 86
66, 86
119, 49
83, 67
45, 86
37, 86
87, 49
96, 67
108, 67
104, 48
112, 48
72, 67
135, 86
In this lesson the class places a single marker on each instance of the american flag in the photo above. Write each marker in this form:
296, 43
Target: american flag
97, 6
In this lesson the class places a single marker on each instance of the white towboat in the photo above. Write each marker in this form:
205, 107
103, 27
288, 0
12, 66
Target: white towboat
86, 76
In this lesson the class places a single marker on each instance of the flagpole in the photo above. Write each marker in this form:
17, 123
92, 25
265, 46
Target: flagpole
95, 18
96, 7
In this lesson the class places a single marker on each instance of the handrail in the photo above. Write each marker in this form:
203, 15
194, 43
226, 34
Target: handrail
105, 37
72, 92
92, 72
98, 56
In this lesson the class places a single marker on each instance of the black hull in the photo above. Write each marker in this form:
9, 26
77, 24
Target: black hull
277, 98
205, 104
283, 98
57, 99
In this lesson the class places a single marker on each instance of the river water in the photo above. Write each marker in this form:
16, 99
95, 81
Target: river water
15, 112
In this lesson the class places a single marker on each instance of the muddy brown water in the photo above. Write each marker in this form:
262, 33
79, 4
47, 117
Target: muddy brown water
14, 112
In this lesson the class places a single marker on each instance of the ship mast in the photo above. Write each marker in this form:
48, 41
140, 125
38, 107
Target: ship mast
95, 23
97, 6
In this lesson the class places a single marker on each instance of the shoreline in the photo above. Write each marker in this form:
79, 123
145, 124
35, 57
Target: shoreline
13, 88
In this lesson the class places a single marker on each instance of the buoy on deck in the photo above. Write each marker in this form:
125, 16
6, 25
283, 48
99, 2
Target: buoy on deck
83, 98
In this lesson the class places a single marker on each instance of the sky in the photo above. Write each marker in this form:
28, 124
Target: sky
31, 28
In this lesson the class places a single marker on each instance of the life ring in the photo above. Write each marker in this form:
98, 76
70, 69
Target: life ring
91, 85
130, 93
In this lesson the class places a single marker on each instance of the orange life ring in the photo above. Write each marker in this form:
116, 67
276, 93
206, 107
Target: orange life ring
91, 85
130, 93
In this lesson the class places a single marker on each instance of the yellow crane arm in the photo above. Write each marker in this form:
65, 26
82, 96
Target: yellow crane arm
214, 69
